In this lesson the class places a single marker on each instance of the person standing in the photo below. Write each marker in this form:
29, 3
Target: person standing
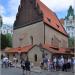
61, 62
64, 67
15, 61
23, 65
27, 66
55, 63
69, 64
5, 62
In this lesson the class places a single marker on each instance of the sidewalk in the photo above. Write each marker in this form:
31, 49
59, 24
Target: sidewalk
34, 69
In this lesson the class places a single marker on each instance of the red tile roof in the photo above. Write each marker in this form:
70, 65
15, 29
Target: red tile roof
19, 49
62, 21
53, 49
50, 17
47, 46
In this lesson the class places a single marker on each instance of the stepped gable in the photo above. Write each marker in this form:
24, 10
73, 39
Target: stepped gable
32, 11
27, 14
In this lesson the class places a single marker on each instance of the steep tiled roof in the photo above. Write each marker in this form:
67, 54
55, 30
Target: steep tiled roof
50, 18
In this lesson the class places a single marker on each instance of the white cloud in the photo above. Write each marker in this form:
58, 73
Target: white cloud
59, 5
12, 9
13, 6
8, 20
2, 10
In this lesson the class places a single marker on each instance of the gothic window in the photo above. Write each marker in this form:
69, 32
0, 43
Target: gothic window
35, 57
52, 41
31, 37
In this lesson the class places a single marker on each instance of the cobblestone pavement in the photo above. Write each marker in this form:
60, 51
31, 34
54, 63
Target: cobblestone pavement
18, 71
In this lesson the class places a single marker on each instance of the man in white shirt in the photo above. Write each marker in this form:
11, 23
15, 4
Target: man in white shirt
5, 61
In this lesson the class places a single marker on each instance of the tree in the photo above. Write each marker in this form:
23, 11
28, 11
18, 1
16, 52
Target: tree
9, 39
3, 41
71, 42
6, 41
1, 22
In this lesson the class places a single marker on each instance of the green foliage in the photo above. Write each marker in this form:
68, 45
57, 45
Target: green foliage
6, 41
9, 39
71, 42
1, 22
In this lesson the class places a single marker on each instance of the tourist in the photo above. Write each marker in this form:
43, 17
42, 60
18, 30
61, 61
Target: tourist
64, 67
69, 64
61, 62
5, 62
50, 65
55, 63
45, 63
42, 65
15, 61
23, 65
27, 66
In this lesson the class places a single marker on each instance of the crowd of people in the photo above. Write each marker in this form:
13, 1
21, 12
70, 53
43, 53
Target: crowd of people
57, 64
6, 62
54, 64
25, 64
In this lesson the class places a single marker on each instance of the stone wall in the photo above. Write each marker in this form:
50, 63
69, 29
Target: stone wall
22, 36
35, 51
51, 33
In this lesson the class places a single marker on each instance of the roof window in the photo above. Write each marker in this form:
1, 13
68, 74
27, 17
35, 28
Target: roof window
48, 20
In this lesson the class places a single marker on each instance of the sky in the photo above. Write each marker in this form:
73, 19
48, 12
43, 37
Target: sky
9, 8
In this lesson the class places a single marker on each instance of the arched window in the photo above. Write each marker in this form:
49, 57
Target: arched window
35, 57
52, 41
31, 37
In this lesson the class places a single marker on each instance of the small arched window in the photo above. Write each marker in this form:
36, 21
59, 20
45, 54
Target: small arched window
35, 57
52, 41
31, 37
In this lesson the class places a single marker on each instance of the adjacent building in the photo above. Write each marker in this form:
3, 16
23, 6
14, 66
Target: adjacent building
69, 22
0, 21
5, 29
